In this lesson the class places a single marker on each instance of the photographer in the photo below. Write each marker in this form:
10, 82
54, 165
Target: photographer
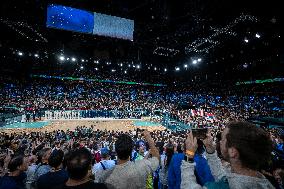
244, 146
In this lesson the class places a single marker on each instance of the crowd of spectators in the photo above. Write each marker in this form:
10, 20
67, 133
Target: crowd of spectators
91, 158
230, 155
39, 95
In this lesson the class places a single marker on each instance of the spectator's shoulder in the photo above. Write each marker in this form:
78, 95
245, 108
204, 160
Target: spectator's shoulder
178, 156
7, 182
150, 162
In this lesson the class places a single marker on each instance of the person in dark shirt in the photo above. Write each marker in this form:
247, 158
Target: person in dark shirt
15, 179
79, 165
57, 176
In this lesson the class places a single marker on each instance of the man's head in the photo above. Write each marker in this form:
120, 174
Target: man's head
57, 144
79, 162
18, 163
56, 158
124, 146
141, 147
32, 159
246, 143
44, 154
104, 153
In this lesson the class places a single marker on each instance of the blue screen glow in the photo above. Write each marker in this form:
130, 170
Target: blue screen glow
67, 18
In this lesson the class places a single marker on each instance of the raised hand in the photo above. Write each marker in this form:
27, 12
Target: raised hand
209, 143
191, 143
147, 135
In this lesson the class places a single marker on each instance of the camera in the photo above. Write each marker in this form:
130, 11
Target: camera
200, 133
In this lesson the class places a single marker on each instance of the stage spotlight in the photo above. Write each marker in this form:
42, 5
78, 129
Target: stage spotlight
81, 67
125, 72
246, 40
67, 59
245, 65
96, 69
165, 69
194, 62
177, 68
121, 65
199, 59
83, 60
73, 59
36, 55
20, 53
138, 66
112, 70
133, 66
62, 58
129, 65
257, 35
155, 68
96, 61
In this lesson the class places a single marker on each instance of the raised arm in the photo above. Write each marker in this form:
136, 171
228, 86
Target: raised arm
214, 162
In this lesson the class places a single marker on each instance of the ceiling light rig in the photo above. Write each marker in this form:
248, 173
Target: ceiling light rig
164, 51
195, 46
124, 65
227, 30
16, 27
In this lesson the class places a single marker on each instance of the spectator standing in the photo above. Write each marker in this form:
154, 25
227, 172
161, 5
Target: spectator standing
244, 146
132, 175
165, 165
57, 175
174, 170
15, 179
79, 165
104, 164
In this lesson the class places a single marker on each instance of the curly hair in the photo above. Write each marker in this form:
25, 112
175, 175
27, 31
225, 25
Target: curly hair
253, 144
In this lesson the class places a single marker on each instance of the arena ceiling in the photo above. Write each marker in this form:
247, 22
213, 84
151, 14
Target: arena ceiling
168, 34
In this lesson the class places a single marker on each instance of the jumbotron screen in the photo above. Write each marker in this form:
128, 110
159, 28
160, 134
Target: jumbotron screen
112, 26
71, 19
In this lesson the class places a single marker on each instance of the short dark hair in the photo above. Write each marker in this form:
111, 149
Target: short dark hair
15, 162
169, 153
56, 158
124, 146
43, 151
78, 162
179, 148
253, 143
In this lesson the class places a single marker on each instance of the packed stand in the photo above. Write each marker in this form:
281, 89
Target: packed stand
244, 156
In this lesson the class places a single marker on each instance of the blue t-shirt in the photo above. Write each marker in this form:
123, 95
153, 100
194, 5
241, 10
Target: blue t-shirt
52, 179
9, 182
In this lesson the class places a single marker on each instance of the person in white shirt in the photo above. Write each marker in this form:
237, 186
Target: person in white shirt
104, 164
127, 174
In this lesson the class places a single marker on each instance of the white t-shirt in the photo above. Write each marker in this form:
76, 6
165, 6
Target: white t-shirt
132, 175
